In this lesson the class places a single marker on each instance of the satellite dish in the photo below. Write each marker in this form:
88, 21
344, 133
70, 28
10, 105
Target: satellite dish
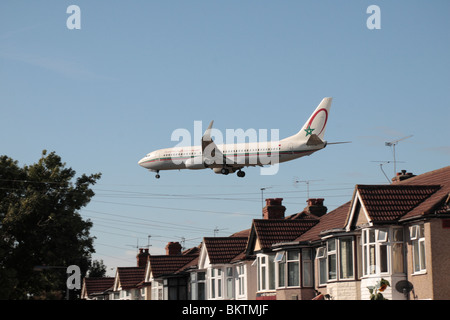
404, 286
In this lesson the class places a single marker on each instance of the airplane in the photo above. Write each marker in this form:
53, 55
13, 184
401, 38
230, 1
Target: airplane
229, 158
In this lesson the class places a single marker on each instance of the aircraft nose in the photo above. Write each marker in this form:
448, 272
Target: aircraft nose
141, 162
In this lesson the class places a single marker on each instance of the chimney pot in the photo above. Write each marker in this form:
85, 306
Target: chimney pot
142, 257
274, 209
173, 249
316, 207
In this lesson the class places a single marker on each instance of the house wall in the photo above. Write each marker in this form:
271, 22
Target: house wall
440, 258
295, 294
422, 283
344, 290
251, 280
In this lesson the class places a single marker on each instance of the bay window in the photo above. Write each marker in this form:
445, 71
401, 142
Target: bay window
336, 260
382, 251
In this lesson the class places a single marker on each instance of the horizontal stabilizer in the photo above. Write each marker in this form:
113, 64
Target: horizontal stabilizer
314, 140
339, 142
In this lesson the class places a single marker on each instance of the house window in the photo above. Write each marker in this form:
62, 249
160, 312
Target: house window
417, 236
307, 268
321, 256
375, 251
229, 283
198, 286
216, 283
157, 290
331, 257
397, 251
266, 272
293, 268
346, 258
241, 280
280, 258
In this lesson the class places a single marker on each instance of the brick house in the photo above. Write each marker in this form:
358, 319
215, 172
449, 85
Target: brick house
223, 272
399, 232
166, 276
97, 288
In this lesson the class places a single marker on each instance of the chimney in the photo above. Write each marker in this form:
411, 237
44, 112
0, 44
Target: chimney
173, 249
403, 175
316, 207
274, 209
142, 257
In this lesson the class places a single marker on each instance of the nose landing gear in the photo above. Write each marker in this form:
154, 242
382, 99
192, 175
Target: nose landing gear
157, 176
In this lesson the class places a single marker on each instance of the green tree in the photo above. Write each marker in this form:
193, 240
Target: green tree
40, 226
97, 269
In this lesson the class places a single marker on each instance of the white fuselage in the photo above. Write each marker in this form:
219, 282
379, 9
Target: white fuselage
237, 155
225, 158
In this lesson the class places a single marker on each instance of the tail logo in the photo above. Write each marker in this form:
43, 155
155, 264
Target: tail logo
309, 130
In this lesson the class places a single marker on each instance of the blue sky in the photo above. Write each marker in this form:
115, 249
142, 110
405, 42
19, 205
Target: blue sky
105, 95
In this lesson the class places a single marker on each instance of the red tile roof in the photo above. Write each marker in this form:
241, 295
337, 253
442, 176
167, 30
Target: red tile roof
130, 277
388, 203
224, 249
98, 285
163, 264
333, 220
436, 202
270, 232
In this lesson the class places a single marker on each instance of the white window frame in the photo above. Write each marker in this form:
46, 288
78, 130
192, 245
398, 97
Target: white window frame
332, 252
266, 272
229, 279
289, 262
321, 257
417, 237
240, 271
307, 264
351, 263
216, 283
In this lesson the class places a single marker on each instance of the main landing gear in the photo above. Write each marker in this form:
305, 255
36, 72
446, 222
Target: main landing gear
226, 171
240, 174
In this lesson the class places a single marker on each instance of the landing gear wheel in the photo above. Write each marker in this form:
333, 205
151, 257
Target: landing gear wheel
240, 174
225, 171
157, 175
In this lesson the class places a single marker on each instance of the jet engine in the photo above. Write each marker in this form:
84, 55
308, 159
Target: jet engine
194, 163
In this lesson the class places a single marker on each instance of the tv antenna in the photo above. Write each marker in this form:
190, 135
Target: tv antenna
262, 196
296, 181
381, 167
393, 144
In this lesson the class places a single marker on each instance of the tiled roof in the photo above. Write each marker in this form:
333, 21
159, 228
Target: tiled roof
98, 285
130, 277
165, 264
224, 249
387, 203
436, 203
333, 220
270, 232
